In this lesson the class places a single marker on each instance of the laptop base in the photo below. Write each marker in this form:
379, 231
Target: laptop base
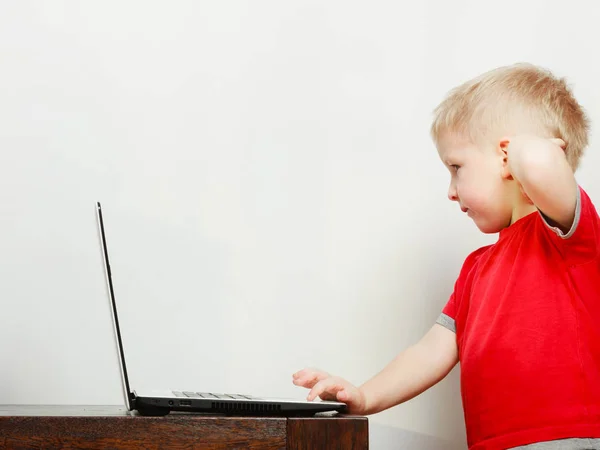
161, 406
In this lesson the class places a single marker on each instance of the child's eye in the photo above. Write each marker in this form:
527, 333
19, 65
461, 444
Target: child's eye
455, 167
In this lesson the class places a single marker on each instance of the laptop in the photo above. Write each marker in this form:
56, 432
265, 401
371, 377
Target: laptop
162, 402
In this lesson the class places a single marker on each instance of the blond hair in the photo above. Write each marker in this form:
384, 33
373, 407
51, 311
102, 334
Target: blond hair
521, 97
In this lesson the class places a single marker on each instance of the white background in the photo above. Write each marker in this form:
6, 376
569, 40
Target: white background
271, 195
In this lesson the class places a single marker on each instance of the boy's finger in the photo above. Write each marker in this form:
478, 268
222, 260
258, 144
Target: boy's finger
316, 377
307, 383
307, 371
309, 380
300, 373
328, 386
317, 390
343, 396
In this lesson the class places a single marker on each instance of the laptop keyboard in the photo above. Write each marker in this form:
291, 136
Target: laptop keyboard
212, 396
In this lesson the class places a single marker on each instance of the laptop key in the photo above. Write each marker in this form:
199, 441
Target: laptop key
209, 395
224, 396
219, 396
205, 395
191, 394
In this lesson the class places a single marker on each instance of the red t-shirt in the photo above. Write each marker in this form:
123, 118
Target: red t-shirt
526, 312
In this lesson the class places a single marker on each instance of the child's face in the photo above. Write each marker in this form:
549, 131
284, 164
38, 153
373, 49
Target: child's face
478, 182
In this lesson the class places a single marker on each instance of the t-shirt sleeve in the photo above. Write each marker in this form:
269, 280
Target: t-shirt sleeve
447, 318
580, 244
449, 313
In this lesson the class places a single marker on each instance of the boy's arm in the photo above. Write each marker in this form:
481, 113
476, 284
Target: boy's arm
413, 371
541, 167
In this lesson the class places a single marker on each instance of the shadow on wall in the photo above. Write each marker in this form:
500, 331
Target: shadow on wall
383, 437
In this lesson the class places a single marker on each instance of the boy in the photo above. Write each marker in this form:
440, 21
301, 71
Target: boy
524, 317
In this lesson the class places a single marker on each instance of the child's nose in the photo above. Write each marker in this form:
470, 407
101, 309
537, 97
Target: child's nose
452, 194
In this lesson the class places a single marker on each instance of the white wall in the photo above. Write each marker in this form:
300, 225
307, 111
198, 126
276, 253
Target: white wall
271, 194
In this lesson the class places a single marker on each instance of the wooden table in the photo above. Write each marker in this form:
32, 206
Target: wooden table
104, 427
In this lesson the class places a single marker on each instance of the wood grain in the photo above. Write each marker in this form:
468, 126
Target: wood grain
185, 432
98, 427
344, 433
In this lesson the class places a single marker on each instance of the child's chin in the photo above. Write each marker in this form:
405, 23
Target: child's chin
488, 228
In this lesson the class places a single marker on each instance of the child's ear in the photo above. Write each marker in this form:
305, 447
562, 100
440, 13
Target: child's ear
502, 152
562, 144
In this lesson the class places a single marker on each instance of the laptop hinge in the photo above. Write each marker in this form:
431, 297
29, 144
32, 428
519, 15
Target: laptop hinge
132, 398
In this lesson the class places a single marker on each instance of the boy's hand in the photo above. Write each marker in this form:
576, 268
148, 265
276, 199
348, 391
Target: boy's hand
518, 144
521, 150
540, 167
331, 388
